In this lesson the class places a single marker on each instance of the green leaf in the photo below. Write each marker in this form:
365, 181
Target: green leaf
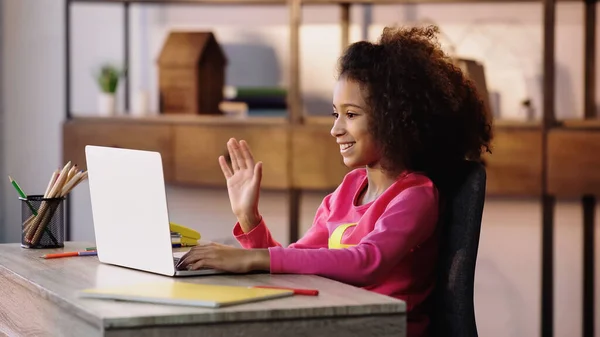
108, 78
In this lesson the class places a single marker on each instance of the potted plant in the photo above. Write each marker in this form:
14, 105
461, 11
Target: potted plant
108, 81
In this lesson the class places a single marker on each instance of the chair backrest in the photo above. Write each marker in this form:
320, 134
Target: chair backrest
453, 308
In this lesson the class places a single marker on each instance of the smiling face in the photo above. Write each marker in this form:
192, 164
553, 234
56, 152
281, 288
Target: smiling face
351, 126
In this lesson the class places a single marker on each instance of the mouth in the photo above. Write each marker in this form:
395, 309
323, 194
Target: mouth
346, 146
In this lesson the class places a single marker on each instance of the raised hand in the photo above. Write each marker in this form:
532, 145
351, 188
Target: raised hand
243, 183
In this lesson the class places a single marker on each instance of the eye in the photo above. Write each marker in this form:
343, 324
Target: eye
335, 115
350, 114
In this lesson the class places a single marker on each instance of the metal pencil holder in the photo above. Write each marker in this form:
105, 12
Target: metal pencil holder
42, 222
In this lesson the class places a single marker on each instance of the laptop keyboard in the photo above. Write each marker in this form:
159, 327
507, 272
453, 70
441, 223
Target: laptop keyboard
176, 261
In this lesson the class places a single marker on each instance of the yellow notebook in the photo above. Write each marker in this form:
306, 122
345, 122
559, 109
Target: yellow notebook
184, 293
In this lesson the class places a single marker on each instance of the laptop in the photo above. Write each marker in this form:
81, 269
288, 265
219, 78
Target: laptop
130, 212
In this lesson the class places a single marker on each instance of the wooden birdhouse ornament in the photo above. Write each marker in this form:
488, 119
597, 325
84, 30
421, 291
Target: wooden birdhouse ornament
191, 74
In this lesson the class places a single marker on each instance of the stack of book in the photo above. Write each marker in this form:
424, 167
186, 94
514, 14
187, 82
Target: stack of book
254, 101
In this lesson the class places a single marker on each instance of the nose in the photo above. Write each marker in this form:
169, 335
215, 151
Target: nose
338, 128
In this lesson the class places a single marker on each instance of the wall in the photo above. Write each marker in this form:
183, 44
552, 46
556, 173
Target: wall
32, 87
2, 159
506, 37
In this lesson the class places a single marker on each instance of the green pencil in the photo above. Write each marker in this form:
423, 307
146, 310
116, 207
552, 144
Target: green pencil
22, 194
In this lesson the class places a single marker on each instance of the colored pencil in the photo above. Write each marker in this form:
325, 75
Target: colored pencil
51, 182
306, 292
61, 183
36, 228
69, 254
22, 194
33, 210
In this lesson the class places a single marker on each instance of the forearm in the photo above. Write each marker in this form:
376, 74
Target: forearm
359, 265
257, 237
249, 221
260, 260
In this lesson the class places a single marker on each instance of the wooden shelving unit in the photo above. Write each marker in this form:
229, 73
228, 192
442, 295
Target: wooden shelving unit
546, 159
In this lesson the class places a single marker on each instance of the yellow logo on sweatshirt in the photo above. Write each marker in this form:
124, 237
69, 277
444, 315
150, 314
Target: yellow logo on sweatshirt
335, 240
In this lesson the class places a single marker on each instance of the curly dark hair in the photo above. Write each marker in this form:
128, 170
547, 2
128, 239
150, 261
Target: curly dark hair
425, 114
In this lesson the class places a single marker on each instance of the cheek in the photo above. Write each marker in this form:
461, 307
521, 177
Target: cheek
369, 146
372, 151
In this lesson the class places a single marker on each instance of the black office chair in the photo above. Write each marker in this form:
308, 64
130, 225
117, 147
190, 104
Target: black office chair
453, 309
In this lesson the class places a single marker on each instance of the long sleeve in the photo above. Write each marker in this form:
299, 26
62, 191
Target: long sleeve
406, 222
260, 236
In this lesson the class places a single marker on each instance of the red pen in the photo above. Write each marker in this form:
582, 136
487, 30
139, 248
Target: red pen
307, 292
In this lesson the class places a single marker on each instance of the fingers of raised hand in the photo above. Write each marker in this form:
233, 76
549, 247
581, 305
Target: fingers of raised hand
225, 168
247, 154
237, 159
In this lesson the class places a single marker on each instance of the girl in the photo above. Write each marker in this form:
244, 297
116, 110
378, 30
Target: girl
405, 118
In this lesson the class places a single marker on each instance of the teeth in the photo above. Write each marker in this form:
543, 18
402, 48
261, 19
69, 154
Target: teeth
346, 146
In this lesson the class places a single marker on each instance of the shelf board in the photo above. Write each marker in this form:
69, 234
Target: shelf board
396, 2
573, 161
187, 2
183, 119
318, 120
513, 169
499, 123
516, 124
308, 120
577, 124
308, 2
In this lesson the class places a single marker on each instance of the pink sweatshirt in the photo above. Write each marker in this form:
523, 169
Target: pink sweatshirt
391, 249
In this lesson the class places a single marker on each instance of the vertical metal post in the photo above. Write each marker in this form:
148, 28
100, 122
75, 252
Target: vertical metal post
589, 201
548, 201
67, 59
589, 209
589, 60
67, 32
548, 204
295, 114
345, 25
126, 53
294, 99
